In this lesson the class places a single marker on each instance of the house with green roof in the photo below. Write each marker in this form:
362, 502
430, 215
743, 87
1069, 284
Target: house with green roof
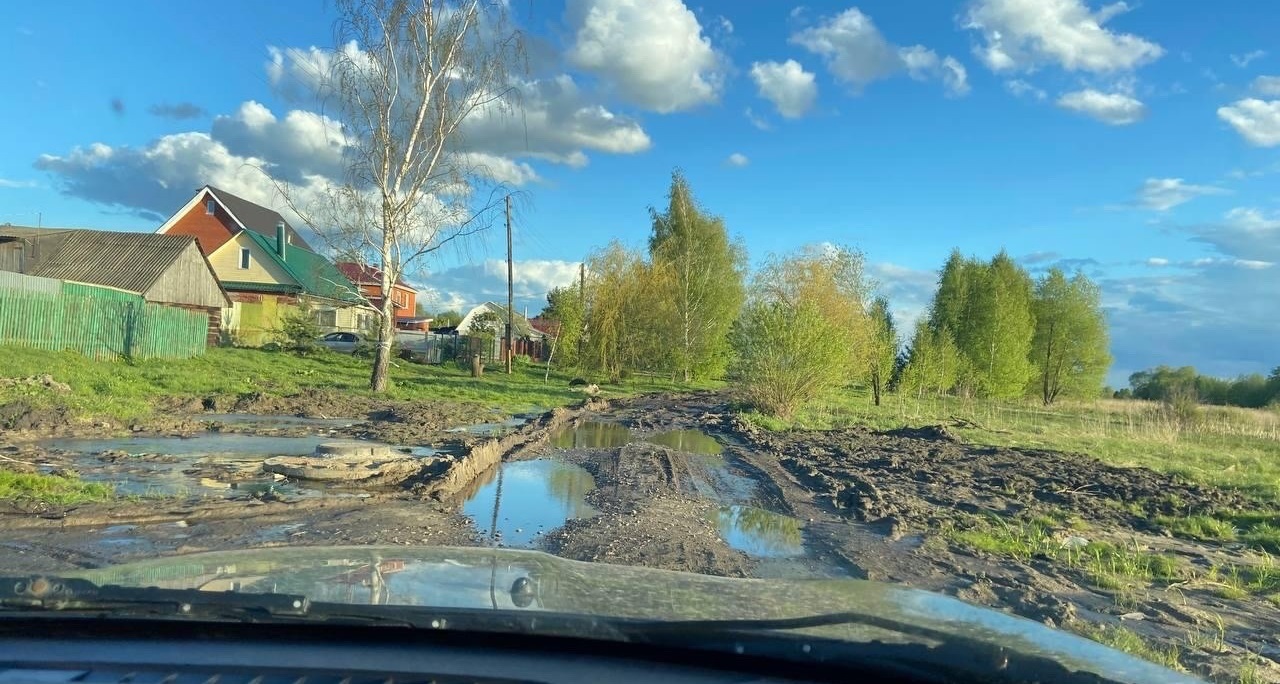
266, 268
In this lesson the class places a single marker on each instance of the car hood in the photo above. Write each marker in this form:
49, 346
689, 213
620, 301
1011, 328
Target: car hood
509, 579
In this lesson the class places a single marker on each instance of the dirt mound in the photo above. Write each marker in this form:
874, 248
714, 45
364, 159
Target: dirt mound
925, 475
22, 415
45, 381
649, 515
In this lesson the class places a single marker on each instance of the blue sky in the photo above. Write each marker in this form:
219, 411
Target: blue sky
1137, 142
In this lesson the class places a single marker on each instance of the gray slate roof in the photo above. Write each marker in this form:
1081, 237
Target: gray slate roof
126, 261
258, 218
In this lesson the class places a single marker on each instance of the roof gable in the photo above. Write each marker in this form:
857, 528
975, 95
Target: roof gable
363, 274
256, 218
315, 274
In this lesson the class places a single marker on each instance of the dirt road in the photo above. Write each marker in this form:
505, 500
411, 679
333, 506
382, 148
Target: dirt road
1058, 538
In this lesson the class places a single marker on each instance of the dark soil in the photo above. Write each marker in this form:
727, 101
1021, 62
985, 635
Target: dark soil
649, 515
883, 505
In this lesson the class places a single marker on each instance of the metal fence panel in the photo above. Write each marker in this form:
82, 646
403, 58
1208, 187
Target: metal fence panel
98, 322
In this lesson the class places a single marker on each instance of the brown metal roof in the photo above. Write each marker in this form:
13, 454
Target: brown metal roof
258, 218
125, 261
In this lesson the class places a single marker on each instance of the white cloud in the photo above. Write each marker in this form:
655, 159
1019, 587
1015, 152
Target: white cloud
954, 76
787, 85
856, 53
1163, 194
1021, 88
8, 183
1020, 35
1157, 261
909, 291
1257, 120
1116, 109
651, 51
1244, 233
555, 121
1267, 85
465, 286
303, 75
756, 120
498, 169
1242, 61
155, 180
737, 159
303, 143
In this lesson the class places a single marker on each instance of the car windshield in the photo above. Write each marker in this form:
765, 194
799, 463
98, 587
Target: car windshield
660, 311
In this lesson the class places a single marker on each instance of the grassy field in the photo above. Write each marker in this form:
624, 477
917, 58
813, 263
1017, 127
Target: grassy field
125, 390
1223, 446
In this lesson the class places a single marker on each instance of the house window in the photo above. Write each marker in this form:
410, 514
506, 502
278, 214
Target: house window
210, 207
244, 258
327, 318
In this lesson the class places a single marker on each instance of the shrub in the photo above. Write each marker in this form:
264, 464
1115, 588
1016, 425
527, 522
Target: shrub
1181, 406
299, 331
786, 356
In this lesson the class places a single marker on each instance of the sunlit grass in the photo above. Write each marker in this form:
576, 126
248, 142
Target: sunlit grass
1225, 446
125, 390
51, 488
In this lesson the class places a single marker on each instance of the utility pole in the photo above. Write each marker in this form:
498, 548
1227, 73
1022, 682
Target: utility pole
511, 293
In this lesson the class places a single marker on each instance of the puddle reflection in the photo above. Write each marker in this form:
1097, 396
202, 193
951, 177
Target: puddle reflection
537, 497
760, 533
592, 435
688, 441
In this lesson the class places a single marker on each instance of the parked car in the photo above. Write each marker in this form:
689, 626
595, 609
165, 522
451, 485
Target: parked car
343, 342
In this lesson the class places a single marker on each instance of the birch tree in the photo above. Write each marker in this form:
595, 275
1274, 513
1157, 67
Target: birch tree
1069, 348
700, 271
419, 69
884, 348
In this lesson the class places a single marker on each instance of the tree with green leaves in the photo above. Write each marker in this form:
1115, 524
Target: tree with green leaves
446, 319
699, 272
565, 308
884, 348
985, 309
1069, 348
934, 362
622, 330
804, 331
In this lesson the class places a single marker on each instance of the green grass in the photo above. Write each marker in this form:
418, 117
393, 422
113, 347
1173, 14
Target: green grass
1125, 640
1200, 527
1107, 565
124, 390
1226, 446
51, 488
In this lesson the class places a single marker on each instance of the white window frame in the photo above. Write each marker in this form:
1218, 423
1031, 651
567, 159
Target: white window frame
245, 259
210, 207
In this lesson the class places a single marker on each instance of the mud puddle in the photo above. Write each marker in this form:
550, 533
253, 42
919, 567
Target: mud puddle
536, 497
227, 465
592, 435
494, 429
276, 421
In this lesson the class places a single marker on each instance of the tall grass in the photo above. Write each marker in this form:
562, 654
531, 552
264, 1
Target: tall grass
1225, 446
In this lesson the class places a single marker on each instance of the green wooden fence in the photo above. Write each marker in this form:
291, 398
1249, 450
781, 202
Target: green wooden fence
98, 322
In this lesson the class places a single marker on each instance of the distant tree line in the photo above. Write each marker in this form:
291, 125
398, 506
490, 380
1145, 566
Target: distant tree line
1164, 383
993, 331
808, 324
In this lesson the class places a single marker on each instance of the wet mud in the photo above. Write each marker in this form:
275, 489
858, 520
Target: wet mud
675, 482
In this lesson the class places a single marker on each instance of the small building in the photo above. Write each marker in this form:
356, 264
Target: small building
166, 270
404, 297
527, 340
266, 267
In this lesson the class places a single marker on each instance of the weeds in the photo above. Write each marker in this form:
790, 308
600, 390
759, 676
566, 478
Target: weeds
51, 489
1125, 640
1200, 527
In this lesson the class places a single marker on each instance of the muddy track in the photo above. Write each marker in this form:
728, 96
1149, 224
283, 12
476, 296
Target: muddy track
887, 503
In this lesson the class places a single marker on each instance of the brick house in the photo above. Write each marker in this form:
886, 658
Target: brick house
266, 267
403, 296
